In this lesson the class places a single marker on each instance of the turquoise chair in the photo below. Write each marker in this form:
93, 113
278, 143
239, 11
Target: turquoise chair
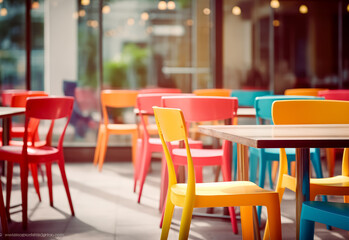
329, 213
246, 99
261, 158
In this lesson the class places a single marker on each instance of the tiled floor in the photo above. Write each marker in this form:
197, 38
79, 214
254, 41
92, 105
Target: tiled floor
106, 208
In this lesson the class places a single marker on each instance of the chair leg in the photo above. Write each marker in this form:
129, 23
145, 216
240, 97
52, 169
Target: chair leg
167, 219
246, 222
146, 159
138, 163
233, 219
3, 214
164, 183
306, 230
9, 188
98, 145
186, 220
65, 182
134, 148
24, 191
274, 219
103, 150
49, 182
34, 170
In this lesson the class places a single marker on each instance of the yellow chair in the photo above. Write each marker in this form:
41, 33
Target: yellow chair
313, 112
304, 91
216, 92
172, 127
115, 99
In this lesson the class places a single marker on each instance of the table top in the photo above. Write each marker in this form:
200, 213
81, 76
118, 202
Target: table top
282, 136
10, 111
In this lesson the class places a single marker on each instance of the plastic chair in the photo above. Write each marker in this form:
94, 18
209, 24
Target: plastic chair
264, 157
313, 112
214, 92
340, 94
149, 144
304, 91
246, 98
3, 214
172, 127
199, 109
159, 90
330, 213
117, 99
55, 108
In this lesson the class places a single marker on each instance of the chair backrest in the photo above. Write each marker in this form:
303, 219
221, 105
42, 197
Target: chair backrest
304, 91
48, 108
172, 127
247, 97
117, 99
339, 94
200, 108
7, 95
160, 90
20, 99
263, 105
215, 92
145, 104
86, 98
310, 112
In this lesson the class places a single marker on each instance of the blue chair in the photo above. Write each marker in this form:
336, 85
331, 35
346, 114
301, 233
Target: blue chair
246, 99
264, 157
329, 213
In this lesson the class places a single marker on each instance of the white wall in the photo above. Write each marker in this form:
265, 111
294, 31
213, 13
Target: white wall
60, 44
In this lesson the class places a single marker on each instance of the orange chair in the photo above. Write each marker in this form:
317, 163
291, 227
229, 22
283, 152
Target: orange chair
340, 94
215, 92
304, 91
117, 99
172, 127
313, 112
55, 108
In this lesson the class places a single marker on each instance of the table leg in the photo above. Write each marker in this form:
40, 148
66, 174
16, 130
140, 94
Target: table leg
6, 122
302, 179
243, 165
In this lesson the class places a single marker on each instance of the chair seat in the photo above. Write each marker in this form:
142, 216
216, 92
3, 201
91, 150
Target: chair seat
228, 193
203, 157
122, 127
14, 153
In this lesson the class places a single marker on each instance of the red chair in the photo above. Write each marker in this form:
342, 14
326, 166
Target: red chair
48, 109
149, 144
200, 109
338, 94
3, 214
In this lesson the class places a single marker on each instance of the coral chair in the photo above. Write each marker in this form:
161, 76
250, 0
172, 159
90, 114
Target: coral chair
46, 109
340, 94
264, 157
330, 213
200, 109
117, 99
172, 127
304, 91
159, 90
3, 214
313, 112
150, 144
215, 92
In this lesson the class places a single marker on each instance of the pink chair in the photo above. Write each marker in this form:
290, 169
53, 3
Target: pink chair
338, 94
160, 90
147, 144
200, 109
